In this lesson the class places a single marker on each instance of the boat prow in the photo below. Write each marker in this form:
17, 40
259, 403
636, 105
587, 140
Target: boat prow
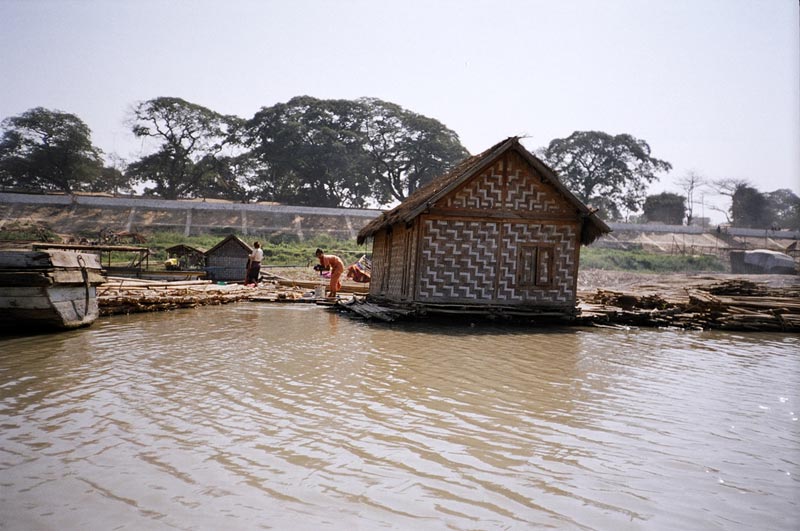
46, 290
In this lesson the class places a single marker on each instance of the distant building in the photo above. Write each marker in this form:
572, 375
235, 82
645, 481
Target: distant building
499, 234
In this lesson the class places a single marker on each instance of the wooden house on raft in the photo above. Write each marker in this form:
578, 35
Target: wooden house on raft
499, 234
227, 260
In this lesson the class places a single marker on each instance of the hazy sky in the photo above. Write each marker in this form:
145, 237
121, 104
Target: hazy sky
712, 85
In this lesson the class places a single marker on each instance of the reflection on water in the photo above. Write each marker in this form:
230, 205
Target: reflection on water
289, 417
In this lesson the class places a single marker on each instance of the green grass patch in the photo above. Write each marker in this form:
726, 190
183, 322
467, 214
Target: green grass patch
637, 260
28, 231
289, 251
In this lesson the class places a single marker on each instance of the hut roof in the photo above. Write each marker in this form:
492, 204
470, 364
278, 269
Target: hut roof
236, 239
426, 196
184, 249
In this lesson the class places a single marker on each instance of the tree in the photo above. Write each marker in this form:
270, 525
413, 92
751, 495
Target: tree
227, 177
690, 183
407, 149
750, 209
113, 178
784, 205
309, 152
727, 187
189, 137
44, 149
666, 207
595, 165
346, 152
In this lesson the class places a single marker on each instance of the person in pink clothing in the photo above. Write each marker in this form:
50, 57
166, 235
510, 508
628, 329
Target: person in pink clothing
336, 266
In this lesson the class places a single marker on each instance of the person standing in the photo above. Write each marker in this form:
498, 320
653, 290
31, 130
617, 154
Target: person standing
254, 264
335, 264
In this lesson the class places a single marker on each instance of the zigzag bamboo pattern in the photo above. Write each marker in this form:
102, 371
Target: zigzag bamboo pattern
460, 261
563, 238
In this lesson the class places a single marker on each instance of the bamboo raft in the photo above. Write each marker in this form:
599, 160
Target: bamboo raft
733, 304
699, 304
121, 295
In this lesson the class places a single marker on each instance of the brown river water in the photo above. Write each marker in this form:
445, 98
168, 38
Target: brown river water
259, 416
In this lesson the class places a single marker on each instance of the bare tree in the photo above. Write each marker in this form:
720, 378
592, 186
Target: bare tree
690, 183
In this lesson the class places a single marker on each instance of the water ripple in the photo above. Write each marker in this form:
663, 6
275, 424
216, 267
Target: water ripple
256, 416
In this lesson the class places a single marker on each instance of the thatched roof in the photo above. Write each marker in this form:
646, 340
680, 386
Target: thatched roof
183, 249
235, 239
426, 196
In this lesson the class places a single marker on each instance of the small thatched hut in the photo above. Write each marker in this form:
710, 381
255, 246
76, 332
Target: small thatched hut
188, 257
227, 260
499, 234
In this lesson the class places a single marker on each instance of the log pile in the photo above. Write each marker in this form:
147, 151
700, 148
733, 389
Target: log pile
734, 304
120, 295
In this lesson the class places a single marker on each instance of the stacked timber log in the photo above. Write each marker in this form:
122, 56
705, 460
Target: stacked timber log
120, 295
735, 304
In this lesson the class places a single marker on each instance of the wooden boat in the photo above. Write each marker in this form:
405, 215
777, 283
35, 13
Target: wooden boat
48, 290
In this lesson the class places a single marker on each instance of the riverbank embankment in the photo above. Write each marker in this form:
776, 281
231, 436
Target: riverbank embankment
80, 215
77, 216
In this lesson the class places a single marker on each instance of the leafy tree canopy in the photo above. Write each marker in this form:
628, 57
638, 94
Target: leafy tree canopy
753, 209
666, 207
308, 152
601, 168
191, 142
50, 150
750, 208
346, 152
407, 149
785, 207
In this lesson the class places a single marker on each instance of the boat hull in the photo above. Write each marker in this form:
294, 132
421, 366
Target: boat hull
48, 290
62, 307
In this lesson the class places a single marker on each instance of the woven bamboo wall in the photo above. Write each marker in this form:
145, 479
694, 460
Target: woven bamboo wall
477, 261
470, 250
227, 262
563, 238
379, 265
470, 246
399, 266
458, 260
521, 191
